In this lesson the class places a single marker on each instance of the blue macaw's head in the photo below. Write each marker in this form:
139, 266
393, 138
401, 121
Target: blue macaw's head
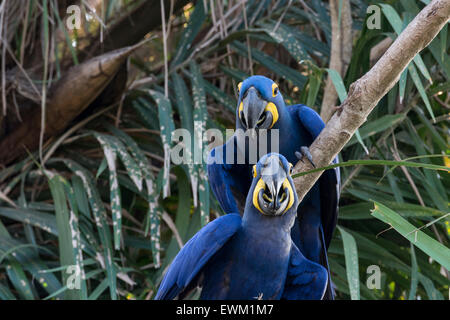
273, 191
260, 104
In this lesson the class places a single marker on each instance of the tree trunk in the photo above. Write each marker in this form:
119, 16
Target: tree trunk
341, 52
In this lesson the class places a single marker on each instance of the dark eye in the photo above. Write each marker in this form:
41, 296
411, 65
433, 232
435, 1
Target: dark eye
274, 89
291, 168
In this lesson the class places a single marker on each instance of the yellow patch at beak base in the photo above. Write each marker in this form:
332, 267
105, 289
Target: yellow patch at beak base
260, 185
241, 108
287, 185
273, 110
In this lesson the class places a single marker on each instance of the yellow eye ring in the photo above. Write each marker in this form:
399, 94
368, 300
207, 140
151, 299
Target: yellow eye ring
291, 166
275, 90
239, 86
254, 171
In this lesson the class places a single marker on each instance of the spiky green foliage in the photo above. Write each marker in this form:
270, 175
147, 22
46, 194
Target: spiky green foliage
95, 198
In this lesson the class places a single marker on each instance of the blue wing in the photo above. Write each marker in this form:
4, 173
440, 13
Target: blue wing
329, 184
229, 182
195, 254
310, 119
330, 179
306, 280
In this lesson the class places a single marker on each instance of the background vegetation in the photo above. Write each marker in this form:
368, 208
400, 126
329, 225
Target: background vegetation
95, 188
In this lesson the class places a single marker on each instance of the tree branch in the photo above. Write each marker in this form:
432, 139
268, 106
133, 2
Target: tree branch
366, 92
341, 51
377, 51
68, 97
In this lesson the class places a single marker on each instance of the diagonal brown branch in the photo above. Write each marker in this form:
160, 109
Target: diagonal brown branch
366, 92
68, 97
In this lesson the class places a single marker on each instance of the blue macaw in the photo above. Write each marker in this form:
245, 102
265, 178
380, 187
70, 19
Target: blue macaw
253, 256
261, 106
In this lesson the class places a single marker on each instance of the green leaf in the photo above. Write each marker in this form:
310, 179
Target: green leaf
183, 102
99, 213
342, 93
432, 292
422, 68
28, 258
35, 218
167, 126
77, 243
147, 113
351, 263
432, 181
443, 145
320, 17
80, 196
376, 126
133, 169
393, 17
418, 83
182, 216
398, 25
154, 211
443, 38
99, 290
414, 274
402, 85
237, 75
284, 35
110, 152
431, 247
200, 140
67, 237
186, 109
220, 96
376, 163
395, 188
272, 64
193, 27
5, 293
338, 84
154, 223
362, 210
103, 165
436, 51
314, 82
19, 280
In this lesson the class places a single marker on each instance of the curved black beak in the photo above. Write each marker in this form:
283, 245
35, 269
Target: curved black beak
274, 198
253, 114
